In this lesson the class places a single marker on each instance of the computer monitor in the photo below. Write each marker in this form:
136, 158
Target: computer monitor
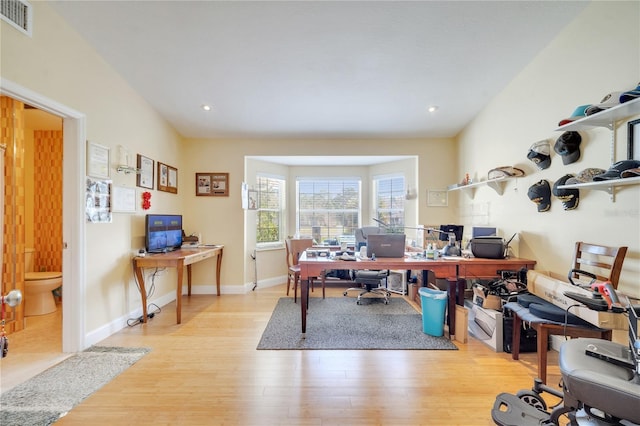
483, 231
445, 230
163, 232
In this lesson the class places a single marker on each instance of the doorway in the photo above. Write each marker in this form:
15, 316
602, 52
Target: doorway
73, 225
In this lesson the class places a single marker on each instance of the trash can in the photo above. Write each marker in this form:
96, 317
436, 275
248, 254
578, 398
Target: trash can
434, 303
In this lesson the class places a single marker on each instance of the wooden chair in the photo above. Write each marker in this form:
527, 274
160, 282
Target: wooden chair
602, 261
294, 248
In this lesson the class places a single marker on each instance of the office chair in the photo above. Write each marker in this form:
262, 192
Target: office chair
370, 281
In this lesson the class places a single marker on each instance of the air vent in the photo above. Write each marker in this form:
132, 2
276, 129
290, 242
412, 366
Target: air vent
18, 13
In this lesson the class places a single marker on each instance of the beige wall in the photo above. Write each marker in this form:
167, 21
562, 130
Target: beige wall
596, 54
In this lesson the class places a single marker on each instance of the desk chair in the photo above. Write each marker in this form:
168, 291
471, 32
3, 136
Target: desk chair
369, 281
294, 248
602, 261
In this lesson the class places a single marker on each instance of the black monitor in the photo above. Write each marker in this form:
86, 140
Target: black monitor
163, 232
448, 229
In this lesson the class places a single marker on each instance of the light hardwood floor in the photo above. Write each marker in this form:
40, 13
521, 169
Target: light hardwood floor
207, 371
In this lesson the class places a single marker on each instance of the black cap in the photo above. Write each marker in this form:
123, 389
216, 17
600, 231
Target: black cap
540, 193
568, 146
569, 197
616, 170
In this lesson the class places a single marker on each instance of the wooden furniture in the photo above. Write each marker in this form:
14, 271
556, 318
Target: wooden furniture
176, 259
294, 248
604, 262
451, 269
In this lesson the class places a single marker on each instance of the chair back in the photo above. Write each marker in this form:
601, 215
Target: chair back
295, 247
602, 261
361, 234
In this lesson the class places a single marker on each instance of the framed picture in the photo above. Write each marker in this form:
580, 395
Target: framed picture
437, 198
97, 160
144, 179
633, 140
253, 200
212, 184
123, 199
98, 200
167, 178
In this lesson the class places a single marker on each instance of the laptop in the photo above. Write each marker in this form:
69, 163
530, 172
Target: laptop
621, 356
386, 245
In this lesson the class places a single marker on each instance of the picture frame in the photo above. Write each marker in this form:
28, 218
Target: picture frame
633, 140
98, 200
144, 179
212, 184
123, 199
97, 160
437, 198
167, 178
253, 203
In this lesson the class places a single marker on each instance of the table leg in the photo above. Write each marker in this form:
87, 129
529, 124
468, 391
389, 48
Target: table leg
515, 336
180, 271
218, 267
304, 299
452, 286
143, 293
189, 280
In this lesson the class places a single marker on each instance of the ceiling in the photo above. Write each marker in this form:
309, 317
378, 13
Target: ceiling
318, 69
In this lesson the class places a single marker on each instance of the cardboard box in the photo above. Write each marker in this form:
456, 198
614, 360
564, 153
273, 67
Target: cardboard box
487, 301
551, 287
487, 326
462, 324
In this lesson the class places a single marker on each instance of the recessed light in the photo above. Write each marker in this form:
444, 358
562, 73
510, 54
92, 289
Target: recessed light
206, 107
432, 108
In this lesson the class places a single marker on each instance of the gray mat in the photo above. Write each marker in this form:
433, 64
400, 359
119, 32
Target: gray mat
339, 323
48, 396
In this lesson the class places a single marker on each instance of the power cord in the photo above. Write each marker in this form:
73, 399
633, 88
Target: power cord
131, 322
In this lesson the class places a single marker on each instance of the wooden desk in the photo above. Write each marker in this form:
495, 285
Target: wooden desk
450, 269
176, 259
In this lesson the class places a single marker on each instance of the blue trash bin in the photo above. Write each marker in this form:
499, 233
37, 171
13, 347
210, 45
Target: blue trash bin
434, 304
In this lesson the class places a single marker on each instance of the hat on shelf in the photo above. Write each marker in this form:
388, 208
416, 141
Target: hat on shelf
616, 170
540, 193
578, 113
630, 95
610, 100
505, 171
569, 197
539, 153
585, 176
568, 146
635, 172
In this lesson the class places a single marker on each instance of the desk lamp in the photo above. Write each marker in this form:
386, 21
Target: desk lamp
450, 249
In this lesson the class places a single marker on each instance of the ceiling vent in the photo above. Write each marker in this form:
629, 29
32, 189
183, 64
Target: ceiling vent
18, 13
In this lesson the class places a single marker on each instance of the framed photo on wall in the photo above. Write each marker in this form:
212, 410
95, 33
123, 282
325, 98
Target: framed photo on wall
167, 178
144, 179
97, 160
212, 184
437, 198
633, 140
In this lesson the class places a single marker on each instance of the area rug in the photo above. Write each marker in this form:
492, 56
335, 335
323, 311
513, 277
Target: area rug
48, 396
339, 323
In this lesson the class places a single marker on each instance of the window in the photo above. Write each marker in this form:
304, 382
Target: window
270, 209
389, 201
328, 208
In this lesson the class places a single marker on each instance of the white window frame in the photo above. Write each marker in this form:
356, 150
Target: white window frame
385, 214
281, 209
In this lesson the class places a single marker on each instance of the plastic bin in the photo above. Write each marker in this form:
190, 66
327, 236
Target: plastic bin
434, 303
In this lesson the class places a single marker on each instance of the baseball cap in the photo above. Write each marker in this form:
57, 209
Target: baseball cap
630, 173
569, 197
610, 100
630, 95
505, 171
539, 153
585, 176
568, 146
540, 193
578, 113
616, 170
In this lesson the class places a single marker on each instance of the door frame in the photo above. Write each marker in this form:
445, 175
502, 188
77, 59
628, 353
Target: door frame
73, 223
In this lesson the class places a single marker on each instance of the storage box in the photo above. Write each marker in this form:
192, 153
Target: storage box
486, 325
487, 301
396, 282
488, 247
551, 287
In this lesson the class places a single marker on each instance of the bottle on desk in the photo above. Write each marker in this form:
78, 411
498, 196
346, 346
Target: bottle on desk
429, 252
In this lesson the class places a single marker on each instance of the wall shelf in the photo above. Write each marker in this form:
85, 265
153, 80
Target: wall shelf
605, 185
496, 184
606, 118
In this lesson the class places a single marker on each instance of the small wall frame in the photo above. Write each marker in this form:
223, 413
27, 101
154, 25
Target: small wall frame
212, 184
167, 178
633, 140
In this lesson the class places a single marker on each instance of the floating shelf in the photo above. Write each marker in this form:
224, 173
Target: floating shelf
496, 184
605, 185
606, 118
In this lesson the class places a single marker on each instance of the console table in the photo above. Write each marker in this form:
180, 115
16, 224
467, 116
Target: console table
452, 269
176, 259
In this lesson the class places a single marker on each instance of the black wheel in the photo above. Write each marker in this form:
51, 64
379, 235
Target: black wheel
533, 399
345, 293
357, 302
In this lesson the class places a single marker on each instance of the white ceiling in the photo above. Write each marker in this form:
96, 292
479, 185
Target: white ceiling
318, 69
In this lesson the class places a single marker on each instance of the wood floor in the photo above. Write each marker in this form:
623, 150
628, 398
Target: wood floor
207, 371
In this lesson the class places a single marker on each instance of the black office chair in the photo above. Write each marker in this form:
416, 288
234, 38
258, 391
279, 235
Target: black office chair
370, 281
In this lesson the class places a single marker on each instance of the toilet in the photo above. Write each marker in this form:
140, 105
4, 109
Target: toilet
38, 287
